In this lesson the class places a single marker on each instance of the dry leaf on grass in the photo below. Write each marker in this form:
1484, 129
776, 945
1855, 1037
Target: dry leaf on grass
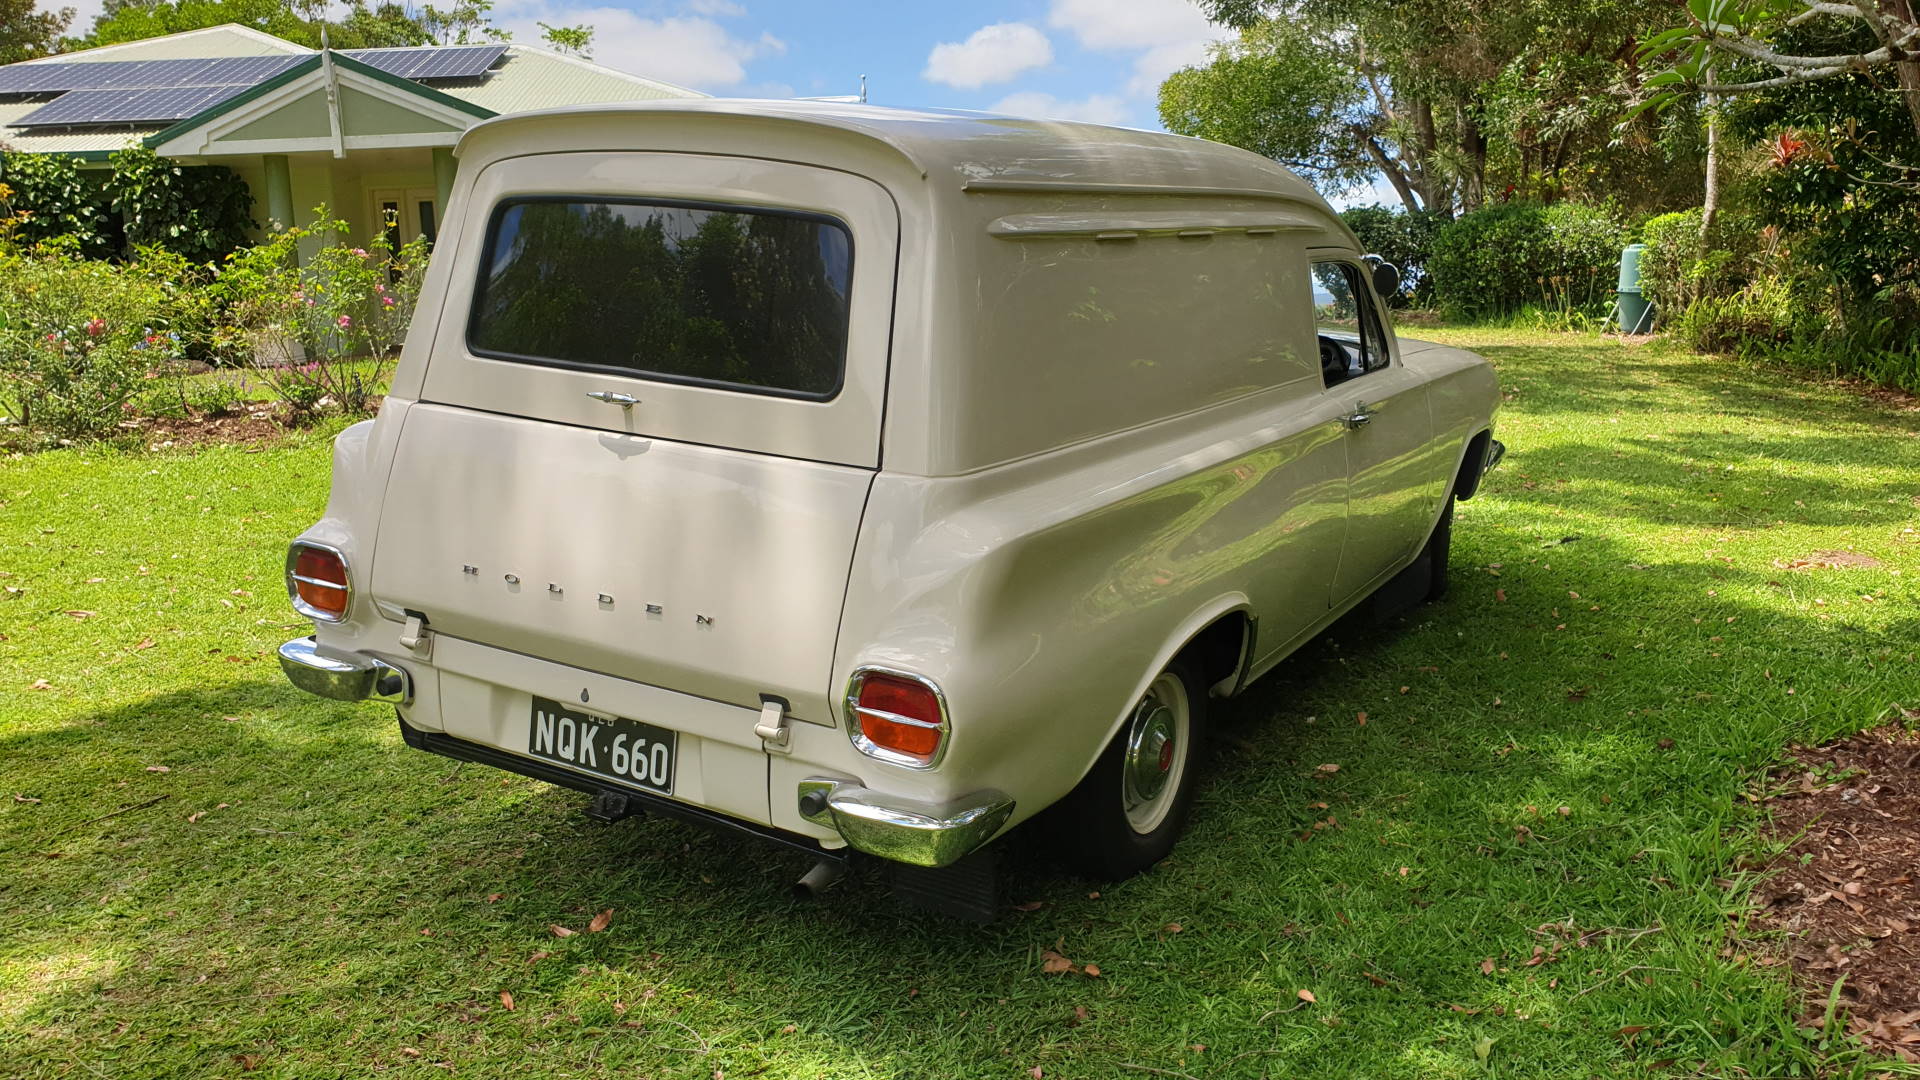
1486, 966
1326, 768
560, 931
600, 922
159, 768
1054, 964
506, 1000
17, 797
1307, 996
539, 956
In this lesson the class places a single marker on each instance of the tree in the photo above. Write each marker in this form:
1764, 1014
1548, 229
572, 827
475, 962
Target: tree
1286, 90
26, 33
1469, 100
1749, 32
465, 23
572, 40
364, 27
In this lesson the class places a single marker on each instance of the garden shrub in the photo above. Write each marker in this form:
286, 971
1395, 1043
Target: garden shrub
1675, 271
1403, 239
1495, 262
201, 212
80, 337
52, 197
324, 331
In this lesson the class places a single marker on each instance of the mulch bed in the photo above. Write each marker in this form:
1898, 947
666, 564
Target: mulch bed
253, 424
1844, 892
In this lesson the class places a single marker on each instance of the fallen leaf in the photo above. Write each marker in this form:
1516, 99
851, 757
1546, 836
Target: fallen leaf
159, 768
408, 1051
1035, 1072
249, 1062
1091, 971
506, 1000
1361, 719
1486, 966
194, 818
539, 956
1631, 1030
790, 1029
17, 797
1172, 928
1327, 768
600, 922
1404, 871
1054, 964
1374, 979
1500, 595
1307, 996
82, 614
494, 897
1031, 905
1079, 1016
145, 643
41, 684
560, 931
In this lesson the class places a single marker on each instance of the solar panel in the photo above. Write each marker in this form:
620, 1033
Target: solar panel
432, 61
132, 91
146, 104
143, 74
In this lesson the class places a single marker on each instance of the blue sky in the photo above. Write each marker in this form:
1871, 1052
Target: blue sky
1076, 59
1095, 60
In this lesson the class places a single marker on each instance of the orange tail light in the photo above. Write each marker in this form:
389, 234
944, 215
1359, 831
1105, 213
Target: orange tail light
897, 718
317, 582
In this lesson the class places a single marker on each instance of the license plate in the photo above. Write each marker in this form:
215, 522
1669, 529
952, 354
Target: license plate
624, 750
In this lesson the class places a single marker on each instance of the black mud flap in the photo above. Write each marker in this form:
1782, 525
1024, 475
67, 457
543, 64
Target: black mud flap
969, 890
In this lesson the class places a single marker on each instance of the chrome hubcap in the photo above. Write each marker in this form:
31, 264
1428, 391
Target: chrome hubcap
1153, 763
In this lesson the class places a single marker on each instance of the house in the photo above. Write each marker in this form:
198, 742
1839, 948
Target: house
368, 132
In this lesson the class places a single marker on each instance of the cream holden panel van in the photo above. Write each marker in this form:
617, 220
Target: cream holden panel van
875, 480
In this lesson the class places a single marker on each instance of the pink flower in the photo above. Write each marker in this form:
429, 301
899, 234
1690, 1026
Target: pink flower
344, 321
96, 327
362, 252
386, 301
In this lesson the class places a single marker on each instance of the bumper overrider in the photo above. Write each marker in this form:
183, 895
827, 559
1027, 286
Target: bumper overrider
876, 823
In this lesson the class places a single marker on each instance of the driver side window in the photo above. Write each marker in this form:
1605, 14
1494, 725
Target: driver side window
1349, 333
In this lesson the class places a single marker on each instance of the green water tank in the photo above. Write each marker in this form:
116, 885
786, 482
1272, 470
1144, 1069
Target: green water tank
1636, 314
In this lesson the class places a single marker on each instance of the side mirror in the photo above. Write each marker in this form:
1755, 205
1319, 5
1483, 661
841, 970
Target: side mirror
1386, 277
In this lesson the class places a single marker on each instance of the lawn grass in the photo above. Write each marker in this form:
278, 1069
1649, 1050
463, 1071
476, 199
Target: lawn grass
1554, 761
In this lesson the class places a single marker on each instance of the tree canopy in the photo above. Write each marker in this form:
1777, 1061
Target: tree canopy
26, 32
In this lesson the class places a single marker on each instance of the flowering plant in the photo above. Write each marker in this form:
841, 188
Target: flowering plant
323, 320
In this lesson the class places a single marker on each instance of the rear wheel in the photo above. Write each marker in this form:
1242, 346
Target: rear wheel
1127, 812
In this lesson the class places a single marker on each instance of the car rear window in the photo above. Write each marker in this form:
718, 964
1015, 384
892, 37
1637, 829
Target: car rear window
749, 299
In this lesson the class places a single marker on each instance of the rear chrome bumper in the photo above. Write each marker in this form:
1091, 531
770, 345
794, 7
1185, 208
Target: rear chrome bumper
904, 830
355, 677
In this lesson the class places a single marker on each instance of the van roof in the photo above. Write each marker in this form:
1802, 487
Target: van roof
992, 152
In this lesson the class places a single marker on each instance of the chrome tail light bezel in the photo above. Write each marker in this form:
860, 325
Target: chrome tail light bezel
867, 746
300, 605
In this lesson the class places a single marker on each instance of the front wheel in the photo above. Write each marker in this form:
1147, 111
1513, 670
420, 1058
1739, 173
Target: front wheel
1129, 809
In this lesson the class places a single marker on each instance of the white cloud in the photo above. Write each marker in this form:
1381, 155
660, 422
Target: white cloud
1095, 109
689, 50
723, 9
992, 54
1167, 34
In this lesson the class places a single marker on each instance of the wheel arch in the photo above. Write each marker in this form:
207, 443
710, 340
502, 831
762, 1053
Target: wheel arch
1221, 628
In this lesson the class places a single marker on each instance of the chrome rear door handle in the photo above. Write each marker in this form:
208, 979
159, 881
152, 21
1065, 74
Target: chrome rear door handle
1361, 416
612, 397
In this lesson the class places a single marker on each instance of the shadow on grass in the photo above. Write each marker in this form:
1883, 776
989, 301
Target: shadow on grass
356, 897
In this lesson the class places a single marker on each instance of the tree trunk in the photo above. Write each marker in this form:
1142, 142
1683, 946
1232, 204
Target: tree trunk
1426, 144
1710, 201
1906, 65
1395, 174
1473, 143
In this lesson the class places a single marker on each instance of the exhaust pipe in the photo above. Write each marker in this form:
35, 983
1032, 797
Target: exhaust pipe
825, 874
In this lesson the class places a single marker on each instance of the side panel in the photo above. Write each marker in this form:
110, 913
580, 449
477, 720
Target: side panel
1040, 594
1396, 474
